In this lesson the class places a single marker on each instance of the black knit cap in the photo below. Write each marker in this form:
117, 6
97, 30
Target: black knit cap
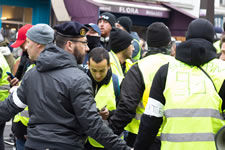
119, 40
126, 22
108, 17
158, 35
200, 28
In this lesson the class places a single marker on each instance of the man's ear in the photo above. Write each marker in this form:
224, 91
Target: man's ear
69, 47
40, 45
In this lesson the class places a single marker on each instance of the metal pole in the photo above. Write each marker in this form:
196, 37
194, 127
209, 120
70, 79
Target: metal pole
207, 10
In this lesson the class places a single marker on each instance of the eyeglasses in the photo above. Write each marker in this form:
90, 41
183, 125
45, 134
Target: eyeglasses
85, 43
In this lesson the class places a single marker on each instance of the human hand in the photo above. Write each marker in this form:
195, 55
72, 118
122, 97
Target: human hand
104, 113
13, 82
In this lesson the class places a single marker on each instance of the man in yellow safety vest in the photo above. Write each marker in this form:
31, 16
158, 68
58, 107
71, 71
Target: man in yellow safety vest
188, 93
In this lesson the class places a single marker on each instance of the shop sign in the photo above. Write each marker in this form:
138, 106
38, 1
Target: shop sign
135, 11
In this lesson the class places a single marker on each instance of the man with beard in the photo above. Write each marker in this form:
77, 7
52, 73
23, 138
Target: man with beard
93, 38
59, 95
106, 22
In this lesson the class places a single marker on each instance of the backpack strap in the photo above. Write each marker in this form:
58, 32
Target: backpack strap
207, 76
116, 86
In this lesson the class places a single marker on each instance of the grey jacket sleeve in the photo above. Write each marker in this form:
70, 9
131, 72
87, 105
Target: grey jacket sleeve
12, 105
86, 113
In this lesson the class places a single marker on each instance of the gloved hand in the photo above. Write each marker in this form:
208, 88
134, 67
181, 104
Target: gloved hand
5, 50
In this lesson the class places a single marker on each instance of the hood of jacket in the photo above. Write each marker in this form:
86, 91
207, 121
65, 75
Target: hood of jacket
53, 57
195, 51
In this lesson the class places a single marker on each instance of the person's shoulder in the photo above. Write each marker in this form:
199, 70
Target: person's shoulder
79, 74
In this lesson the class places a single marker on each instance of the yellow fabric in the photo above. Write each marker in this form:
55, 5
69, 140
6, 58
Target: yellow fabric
148, 67
105, 96
217, 46
188, 88
116, 66
21, 118
4, 93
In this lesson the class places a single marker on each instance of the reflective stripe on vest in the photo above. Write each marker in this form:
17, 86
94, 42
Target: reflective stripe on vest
4, 87
192, 110
188, 137
148, 67
23, 117
202, 112
105, 96
25, 113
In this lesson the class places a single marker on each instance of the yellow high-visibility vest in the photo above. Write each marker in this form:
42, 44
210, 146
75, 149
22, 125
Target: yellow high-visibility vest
148, 67
104, 97
192, 110
4, 84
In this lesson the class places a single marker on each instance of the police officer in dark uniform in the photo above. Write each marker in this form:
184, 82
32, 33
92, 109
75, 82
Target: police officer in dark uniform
60, 98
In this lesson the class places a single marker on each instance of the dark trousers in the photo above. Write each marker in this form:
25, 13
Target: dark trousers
131, 139
2, 145
27, 148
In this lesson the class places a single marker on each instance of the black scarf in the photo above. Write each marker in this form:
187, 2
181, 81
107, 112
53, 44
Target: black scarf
93, 41
106, 80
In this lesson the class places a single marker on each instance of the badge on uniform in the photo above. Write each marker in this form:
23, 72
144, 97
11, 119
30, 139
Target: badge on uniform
82, 32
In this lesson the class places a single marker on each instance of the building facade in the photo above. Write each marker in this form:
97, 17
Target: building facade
16, 13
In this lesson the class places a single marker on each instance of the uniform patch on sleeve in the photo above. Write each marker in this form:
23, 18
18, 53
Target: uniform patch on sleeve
154, 108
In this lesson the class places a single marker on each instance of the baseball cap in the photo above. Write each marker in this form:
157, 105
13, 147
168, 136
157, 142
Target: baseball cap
21, 36
94, 27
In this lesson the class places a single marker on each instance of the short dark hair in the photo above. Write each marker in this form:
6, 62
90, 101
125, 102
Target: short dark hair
98, 54
61, 40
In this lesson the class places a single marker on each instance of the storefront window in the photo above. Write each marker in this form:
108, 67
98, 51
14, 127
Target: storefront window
12, 18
